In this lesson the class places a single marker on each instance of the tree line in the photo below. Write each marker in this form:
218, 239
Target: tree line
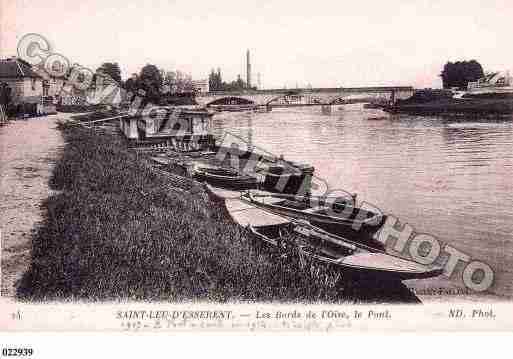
153, 81
157, 82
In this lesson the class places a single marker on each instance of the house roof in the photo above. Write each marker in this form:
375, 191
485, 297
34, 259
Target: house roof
16, 68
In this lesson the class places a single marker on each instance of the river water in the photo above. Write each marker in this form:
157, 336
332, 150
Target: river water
451, 178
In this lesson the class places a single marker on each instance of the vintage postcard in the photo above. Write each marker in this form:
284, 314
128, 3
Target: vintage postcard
256, 166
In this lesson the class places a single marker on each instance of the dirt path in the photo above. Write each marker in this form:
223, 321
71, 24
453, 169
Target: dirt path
28, 150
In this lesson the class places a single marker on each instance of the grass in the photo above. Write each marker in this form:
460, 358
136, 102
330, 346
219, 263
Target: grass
116, 232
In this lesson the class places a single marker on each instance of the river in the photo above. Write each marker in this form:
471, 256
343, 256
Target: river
451, 178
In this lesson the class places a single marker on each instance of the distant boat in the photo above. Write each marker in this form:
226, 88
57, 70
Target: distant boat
224, 178
327, 213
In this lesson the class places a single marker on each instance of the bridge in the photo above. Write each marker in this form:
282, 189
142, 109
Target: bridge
305, 97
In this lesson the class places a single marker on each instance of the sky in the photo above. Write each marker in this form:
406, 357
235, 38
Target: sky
292, 43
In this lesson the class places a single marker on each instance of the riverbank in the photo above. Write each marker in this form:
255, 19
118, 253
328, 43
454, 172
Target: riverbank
118, 231
450, 106
29, 149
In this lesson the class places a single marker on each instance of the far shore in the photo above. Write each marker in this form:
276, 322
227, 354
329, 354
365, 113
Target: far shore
450, 106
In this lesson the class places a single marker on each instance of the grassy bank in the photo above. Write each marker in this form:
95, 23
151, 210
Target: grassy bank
116, 231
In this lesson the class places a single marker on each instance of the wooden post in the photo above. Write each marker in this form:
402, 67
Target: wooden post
3, 114
132, 129
392, 97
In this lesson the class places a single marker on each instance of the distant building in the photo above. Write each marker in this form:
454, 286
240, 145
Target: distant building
52, 86
32, 89
201, 85
492, 84
493, 79
26, 85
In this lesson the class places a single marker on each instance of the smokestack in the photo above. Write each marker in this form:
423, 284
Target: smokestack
248, 70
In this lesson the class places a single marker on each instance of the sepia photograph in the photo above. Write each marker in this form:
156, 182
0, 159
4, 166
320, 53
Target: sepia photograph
256, 166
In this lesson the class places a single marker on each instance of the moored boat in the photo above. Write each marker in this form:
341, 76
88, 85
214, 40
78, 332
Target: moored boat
225, 178
353, 260
330, 214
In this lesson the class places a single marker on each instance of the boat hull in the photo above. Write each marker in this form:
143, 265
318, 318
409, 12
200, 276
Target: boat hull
376, 267
359, 226
355, 264
227, 180
354, 259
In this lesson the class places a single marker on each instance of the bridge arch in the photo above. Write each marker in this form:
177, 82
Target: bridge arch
230, 100
345, 99
337, 100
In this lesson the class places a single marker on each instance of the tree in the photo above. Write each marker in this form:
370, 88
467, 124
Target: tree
131, 84
112, 69
151, 75
150, 80
460, 73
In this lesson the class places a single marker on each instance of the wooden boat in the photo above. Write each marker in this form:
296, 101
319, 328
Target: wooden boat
225, 178
160, 161
329, 214
355, 261
220, 195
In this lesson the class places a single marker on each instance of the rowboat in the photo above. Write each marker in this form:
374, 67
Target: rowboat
353, 260
225, 178
160, 161
330, 214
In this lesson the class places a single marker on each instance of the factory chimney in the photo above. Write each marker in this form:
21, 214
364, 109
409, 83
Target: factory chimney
248, 70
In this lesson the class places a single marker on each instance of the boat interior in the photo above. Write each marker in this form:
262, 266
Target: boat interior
219, 171
274, 231
309, 244
324, 208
